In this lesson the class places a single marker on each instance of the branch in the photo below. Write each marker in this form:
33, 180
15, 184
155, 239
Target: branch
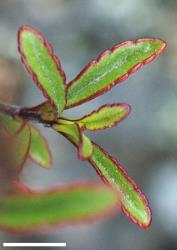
24, 113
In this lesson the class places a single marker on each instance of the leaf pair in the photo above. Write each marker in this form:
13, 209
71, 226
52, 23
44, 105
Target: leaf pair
28, 142
24, 210
99, 76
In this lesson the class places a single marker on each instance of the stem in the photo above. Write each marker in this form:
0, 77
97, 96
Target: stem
9, 109
24, 113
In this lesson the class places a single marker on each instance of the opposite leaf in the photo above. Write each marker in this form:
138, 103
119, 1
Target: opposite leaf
74, 134
85, 148
40, 61
25, 212
21, 143
112, 67
71, 130
105, 117
11, 125
39, 151
134, 203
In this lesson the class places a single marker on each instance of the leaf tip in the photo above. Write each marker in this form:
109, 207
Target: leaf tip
85, 148
30, 39
144, 217
148, 220
162, 42
126, 107
20, 32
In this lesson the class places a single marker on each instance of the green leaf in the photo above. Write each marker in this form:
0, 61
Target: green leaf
76, 203
134, 203
20, 137
39, 151
70, 130
73, 133
110, 68
11, 125
8, 166
40, 61
85, 148
105, 117
21, 143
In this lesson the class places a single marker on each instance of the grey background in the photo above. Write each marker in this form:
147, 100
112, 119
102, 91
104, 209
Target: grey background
145, 143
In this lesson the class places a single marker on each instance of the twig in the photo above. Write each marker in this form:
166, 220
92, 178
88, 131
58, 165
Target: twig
24, 113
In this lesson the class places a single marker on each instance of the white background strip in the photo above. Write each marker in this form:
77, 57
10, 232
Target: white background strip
34, 244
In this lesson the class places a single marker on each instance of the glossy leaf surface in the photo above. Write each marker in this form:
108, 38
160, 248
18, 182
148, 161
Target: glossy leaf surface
39, 151
110, 68
105, 117
23, 212
134, 203
39, 59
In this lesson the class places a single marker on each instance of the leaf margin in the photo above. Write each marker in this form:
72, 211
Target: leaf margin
80, 154
96, 218
131, 181
14, 119
120, 79
83, 127
80, 135
48, 166
127, 177
50, 50
20, 168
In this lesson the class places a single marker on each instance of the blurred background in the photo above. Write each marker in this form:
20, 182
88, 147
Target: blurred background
145, 143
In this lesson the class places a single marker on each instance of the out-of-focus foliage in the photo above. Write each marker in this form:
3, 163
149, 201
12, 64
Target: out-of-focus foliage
27, 211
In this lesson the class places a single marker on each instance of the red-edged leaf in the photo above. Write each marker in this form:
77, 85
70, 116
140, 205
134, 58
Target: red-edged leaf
74, 134
71, 130
134, 203
43, 65
16, 149
106, 116
39, 150
10, 124
8, 170
111, 67
21, 143
85, 149
25, 211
